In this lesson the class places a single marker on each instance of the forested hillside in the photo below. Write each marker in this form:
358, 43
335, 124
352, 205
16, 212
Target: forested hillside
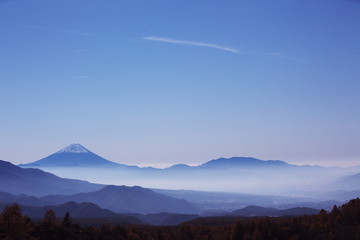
342, 222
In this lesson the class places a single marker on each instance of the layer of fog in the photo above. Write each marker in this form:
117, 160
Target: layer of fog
290, 181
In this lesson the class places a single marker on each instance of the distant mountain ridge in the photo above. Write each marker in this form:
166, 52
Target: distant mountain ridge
76, 155
112, 196
76, 210
21, 199
122, 199
251, 175
256, 211
241, 162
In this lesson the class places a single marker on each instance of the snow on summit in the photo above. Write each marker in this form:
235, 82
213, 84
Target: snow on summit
74, 148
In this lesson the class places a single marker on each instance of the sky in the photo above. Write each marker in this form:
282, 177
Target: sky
158, 82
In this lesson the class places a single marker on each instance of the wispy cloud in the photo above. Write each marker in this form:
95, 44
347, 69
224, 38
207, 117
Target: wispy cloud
80, 33
57, 30
277, 55
79, 50
80, 77
274, 54
192, 43
355, 1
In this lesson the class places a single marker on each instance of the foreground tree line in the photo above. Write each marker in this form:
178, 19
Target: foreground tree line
340, 223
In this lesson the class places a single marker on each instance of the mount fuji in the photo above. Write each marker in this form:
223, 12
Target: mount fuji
72, 156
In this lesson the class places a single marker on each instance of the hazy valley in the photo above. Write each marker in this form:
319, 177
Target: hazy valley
244, 175
239, 186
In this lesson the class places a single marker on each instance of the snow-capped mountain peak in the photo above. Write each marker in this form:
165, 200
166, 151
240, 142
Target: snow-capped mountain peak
74, 155
74, 148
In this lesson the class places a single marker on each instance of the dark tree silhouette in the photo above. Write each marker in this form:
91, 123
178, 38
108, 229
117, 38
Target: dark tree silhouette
13, 225
67, 221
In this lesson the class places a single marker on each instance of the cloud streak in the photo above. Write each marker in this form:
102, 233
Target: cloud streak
80, 77
80, 33
278, 55
56, 30
192, 43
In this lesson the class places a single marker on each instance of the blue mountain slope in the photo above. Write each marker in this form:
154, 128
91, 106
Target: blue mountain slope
349, 182
73, 155
36, 182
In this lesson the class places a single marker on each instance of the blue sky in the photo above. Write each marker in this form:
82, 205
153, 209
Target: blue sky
164, 82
